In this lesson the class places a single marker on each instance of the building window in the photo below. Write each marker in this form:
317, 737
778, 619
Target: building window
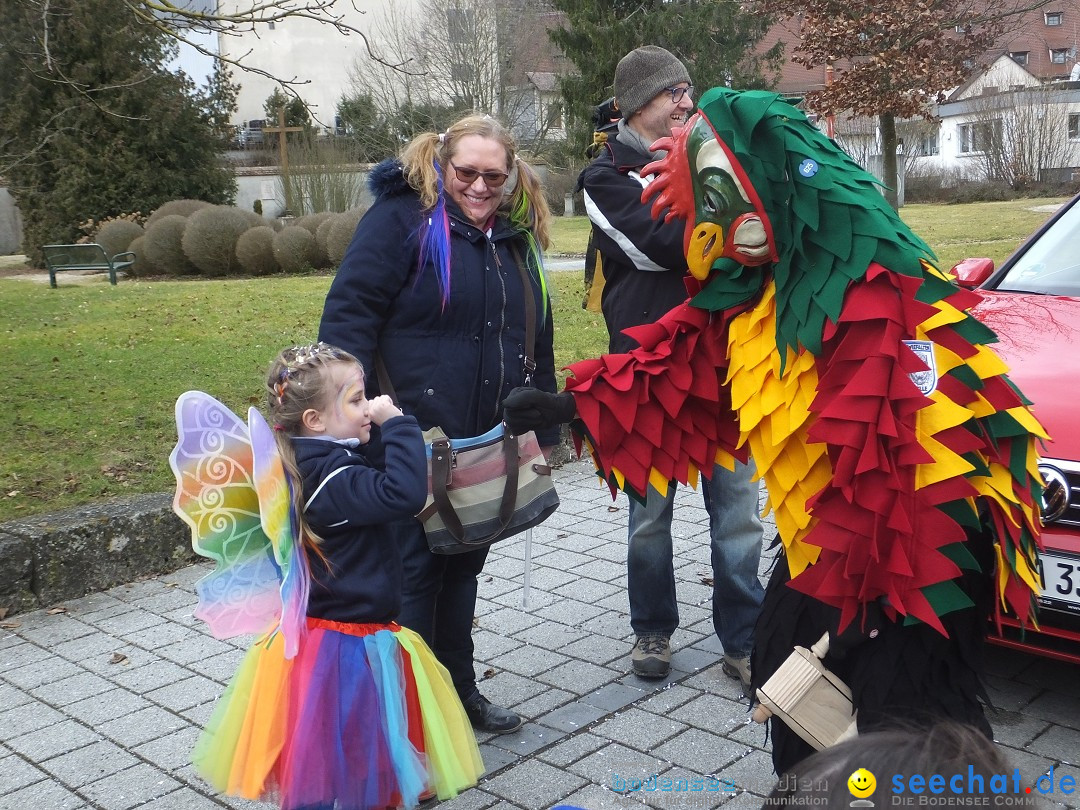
1074, 126
1053, 18
1059, 56
554, 115
928, 144
977, 137
1020, 57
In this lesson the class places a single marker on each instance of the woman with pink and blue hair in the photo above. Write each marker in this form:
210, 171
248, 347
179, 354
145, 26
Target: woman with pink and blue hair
432, 285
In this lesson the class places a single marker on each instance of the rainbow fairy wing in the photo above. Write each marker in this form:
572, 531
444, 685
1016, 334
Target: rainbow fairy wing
280, 525
217, 498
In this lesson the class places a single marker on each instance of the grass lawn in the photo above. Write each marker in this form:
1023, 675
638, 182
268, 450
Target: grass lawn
93, 370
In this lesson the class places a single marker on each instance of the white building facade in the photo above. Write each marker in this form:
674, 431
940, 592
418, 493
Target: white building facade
317, 56
1005, 125
490, 55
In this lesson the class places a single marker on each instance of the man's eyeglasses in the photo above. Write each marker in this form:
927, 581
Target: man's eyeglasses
678, 92
492, 179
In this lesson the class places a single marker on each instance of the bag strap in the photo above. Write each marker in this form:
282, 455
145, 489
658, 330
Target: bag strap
530, 314
441, 474
441, 452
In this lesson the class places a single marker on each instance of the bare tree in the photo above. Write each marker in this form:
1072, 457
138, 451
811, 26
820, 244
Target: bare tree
458, 49
234, 17
1018, 135
388, 87
894, 59
857, 135
462, 55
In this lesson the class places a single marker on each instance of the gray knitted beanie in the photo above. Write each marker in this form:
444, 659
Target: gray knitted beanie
643, 73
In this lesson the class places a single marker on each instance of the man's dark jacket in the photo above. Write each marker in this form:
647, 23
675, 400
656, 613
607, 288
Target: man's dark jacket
642, 258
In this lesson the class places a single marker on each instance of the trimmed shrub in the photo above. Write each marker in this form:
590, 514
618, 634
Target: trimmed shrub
254, 220
140, 267
163, 244
312, 223
210, 238
117, 235
255, 251
183, 208
341, 234
322, 233
294, 249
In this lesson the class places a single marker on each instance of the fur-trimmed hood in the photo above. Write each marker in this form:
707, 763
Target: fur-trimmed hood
387, 177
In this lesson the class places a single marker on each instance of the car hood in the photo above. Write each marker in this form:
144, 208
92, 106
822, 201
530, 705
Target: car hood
1039, 337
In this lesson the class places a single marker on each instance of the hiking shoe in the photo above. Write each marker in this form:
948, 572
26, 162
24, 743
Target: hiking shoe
651, 656
739, 669
486, 716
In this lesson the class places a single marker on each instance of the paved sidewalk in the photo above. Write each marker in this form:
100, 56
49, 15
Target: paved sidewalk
101, 699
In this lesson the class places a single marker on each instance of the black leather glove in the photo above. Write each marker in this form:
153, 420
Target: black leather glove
526, 409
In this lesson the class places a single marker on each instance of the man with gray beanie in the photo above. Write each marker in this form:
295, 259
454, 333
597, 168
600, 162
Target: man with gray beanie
643, 268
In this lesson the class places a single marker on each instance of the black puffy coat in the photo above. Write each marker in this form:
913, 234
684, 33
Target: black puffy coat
643, 260
449, 367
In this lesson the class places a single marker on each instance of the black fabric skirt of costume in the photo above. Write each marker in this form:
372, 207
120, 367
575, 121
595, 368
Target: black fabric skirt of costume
909, 675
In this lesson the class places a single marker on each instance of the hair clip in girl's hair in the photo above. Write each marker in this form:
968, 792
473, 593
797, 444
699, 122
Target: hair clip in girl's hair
442, 137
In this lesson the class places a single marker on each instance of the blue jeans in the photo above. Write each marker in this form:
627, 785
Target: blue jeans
731, 498
438, 601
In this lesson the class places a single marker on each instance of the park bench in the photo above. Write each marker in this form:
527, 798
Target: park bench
88, 256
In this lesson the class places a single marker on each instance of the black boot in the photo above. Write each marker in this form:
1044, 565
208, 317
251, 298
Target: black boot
486, 716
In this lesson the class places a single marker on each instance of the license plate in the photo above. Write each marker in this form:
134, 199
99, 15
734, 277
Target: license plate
1060, 574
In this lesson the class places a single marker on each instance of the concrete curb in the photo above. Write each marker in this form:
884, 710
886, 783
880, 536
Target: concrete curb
64, 555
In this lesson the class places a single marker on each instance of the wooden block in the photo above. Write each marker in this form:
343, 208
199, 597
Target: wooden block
810, 700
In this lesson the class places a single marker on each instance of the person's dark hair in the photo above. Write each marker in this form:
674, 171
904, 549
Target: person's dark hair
946, 748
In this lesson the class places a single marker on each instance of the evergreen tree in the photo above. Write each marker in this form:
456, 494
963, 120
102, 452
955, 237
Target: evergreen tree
296, 114
374, 136
716, 39
92, 124
220, 94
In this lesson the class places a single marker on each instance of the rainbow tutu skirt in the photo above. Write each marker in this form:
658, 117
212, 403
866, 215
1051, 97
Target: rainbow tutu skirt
362, 717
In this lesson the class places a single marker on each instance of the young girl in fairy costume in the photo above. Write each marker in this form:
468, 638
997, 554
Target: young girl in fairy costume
362, 715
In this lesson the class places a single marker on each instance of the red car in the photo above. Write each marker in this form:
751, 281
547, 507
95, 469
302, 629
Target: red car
1033, 303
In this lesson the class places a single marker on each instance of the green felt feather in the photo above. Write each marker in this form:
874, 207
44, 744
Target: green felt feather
963, 513
960, 554
945, 597
827, 216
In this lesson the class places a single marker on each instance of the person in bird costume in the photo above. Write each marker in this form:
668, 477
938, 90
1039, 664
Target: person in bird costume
820, 338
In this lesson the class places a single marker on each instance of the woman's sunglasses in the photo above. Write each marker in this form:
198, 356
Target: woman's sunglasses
492, 179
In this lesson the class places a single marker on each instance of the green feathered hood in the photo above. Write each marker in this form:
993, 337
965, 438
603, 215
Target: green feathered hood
827, 216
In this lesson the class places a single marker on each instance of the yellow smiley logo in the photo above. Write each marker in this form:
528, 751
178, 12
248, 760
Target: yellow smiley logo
861, 783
